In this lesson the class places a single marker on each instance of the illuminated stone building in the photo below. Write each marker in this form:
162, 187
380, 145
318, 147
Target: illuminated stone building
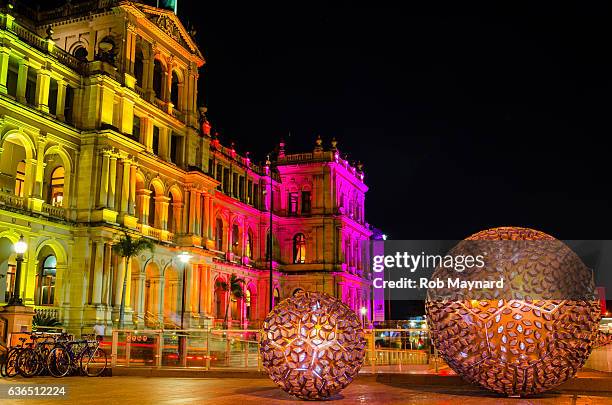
101, 134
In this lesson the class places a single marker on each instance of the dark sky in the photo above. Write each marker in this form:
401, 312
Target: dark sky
464, 118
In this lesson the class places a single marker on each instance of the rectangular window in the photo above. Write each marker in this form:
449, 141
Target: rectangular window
256, 196
250, 192
175, 148
305, 202
155, 144
68, 106
241, 188
211, 168
226, 181
10, 281
292, 207
11, 79
52, 96
30, 93
136, 128
235, 185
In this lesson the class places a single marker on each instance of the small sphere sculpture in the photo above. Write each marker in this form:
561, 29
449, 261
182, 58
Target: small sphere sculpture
312, 345
513, 344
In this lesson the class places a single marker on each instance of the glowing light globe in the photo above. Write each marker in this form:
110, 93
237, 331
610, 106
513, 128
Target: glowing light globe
512, 343
313, 345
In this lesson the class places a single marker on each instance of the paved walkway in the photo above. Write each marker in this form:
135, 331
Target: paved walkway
239, 391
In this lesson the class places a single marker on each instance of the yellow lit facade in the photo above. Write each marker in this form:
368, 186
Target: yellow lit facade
101, 134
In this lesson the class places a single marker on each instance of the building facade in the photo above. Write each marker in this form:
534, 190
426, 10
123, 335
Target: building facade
101, 135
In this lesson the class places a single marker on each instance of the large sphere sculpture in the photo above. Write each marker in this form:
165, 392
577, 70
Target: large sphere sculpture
516, 345
312, 345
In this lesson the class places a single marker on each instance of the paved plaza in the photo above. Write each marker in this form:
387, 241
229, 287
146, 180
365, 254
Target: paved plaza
240, 391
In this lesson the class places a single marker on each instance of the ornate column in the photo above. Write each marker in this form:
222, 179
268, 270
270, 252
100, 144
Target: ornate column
43, 82
161, 215
132, 196
204, 215
106, 276
103, 195
22, 80
192, 207
125, 186
143, 197
112, 185
40, 168
198, 213
96, 293
4, 62
119, 281
61, 100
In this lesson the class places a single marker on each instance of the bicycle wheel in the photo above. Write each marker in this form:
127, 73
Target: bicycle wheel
58, 362
10, 367
28, 363
93, 361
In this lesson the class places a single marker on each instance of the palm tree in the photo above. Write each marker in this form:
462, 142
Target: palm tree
235, 288
128, 248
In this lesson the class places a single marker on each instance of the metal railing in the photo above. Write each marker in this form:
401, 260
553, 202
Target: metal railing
388, 350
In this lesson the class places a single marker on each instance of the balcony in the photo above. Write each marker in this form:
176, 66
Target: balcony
12, 201
157, 234
53, 211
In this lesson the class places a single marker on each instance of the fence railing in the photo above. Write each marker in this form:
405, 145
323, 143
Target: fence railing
387, 349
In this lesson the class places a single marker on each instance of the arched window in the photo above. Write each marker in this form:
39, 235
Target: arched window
158, 74
235, 239
219, 234
80, 52
46, 281
299, 248
20, 179
151, 219
249, 245
139, 67
276, 296
247, 304
56, 191
171, 214
297, 291
174, 90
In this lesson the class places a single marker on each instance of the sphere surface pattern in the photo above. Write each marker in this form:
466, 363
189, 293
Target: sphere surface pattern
519, 346
313, 345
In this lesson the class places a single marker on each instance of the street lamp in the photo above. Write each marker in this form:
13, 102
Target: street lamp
20, 248
184, 257
363, 311
271, 287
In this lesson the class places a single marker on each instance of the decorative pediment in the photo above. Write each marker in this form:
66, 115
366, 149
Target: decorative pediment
170, 24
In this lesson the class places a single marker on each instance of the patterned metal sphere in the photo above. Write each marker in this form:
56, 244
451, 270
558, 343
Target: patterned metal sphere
312, 345
516, 345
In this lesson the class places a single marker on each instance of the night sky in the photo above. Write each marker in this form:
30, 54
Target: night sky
464, 118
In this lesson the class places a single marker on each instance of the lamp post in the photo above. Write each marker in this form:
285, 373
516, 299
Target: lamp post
363, 311
184, 258
20, 248
271, 287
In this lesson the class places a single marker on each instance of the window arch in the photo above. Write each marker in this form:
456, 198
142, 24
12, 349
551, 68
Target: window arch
81, 53
299, 248
249, 244
174, 90
235, 239
171, 214
247, 304
151, 219
45, 283
20, 179
56, 190
297, 291
158, 74
276, 296
139, 67
219, 234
